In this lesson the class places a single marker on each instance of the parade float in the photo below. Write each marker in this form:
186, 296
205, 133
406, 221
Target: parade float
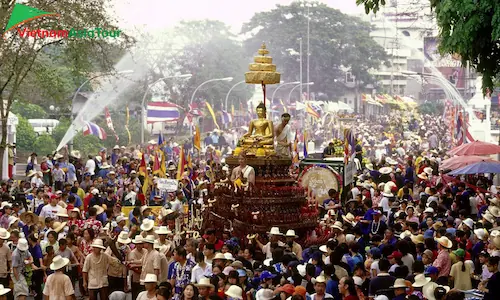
275, 198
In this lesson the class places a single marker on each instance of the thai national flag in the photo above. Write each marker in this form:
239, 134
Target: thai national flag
226, 117
162, 112
314, 110
93, 129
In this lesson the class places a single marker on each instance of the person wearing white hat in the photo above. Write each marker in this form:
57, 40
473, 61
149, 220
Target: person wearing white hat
5, 257
295, 247
150, 283
320, 289
205, 288
134, 263
443, 260
235, 292
58, 285
151, 261
274, 235
117, 272
399, 289
95, 270
21, 258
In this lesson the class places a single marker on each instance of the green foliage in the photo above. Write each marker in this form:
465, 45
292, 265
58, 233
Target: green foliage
45, 144
28, 110
431, 108
210, 51
335, 40
467, 29
85, 144
26, 135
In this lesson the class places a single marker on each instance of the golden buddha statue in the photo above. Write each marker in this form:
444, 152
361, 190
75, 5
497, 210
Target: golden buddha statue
259, 139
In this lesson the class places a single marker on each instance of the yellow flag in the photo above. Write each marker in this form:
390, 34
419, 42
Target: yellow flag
180, 166
197, 138
283, 104
232, 110
212, 114
126, 126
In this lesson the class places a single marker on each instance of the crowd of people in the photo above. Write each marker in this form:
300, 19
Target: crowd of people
402, 231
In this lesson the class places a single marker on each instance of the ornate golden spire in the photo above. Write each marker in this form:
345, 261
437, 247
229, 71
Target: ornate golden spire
262, 71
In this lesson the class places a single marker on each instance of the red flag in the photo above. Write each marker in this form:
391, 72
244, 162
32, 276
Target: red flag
110, 123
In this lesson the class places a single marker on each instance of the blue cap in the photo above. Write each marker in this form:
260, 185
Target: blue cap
266, 275
86, 174
375, 251
242, 273
431, 270
428, 234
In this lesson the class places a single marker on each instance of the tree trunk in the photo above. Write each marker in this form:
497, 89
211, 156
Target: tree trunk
3, 143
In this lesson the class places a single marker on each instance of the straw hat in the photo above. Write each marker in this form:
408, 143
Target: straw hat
150, 278
422, 176
234, 291
163, 230
99, 209
123, 238
205, 282
3, 290
349, 218
385, 170
291, 233
62, 213
320, 279
428, 170
481, 233
58, 262
369, 166
469, 223
150, 239
147, 225
22, 244
4, 234
338, 225
229, 256
405, 234
417, 239
445, 242
220, 256
489, 217
421, 280
58, 226
494, 210
31, 173
399, 284
437, 225
138, 239
496, 242
275, 231
98, 244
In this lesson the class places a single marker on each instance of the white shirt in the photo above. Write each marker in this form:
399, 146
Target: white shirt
267, 249
198, 273
374, 266
144, 296
36, 181
176, 205
384, 203
49, 211
313, 296
90, 166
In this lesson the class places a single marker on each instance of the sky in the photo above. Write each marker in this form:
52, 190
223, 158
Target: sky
159, 14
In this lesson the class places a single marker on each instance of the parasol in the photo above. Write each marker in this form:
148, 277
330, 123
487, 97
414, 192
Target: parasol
456, 162
478, 168
475, 148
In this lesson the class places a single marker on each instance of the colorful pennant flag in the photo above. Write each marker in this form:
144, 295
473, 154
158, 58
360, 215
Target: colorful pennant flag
126, 125
313, 110
226, 117
144, 172
211, 111
181, 163
109, 122
197, 138
94, 129
295, 158
305, 144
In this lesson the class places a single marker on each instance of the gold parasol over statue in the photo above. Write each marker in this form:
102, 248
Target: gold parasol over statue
259, 140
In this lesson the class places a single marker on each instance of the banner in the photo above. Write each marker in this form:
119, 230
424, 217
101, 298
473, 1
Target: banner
170, 185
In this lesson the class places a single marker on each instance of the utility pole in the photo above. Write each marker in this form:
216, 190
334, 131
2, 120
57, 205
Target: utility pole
308, 52
300, 60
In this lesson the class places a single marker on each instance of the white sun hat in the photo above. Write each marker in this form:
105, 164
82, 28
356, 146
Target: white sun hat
123, 238
58, 262
22, 244
147, 225
421, 280
291, 233
234, 291
151, 278
275, 231
4, 234
163, 230
4, 290
98, 244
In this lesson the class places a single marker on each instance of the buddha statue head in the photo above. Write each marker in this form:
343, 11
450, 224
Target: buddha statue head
261, 110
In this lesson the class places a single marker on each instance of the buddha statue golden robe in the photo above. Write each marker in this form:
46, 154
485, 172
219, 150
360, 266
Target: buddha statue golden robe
259, 139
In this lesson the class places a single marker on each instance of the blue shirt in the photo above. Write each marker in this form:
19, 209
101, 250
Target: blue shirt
78, 200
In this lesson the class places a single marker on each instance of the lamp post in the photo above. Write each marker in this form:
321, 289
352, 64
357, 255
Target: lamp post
227, 95
299, 85
144, 99
70, 146
283, 84
208, 81
202, 84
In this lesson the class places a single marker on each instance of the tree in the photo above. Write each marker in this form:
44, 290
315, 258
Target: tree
45, 144
25, 135
18, 54
28, 110
467, 29
210, 51
337, 43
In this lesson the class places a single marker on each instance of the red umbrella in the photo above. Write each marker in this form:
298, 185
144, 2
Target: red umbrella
462, 161
475, 148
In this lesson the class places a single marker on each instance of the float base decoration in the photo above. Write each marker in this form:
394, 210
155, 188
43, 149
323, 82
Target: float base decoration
275, 200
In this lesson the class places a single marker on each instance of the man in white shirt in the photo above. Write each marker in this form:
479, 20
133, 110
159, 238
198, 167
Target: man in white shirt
90, 166
51, 209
